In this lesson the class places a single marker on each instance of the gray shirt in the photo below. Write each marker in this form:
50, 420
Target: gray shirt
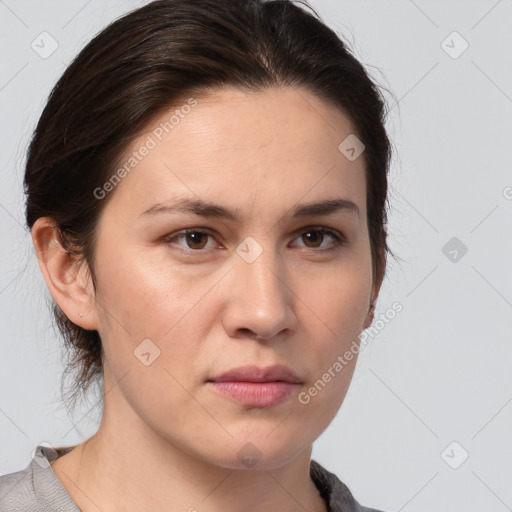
37, 488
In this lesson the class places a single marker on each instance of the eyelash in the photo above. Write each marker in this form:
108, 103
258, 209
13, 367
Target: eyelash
339, 239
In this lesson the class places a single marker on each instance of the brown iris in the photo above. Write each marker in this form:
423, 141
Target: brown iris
196, 237
313, 236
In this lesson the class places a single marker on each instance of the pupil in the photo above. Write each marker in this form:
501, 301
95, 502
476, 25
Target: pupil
315, 236
195, 236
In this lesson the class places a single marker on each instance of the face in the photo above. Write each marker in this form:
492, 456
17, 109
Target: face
256, 280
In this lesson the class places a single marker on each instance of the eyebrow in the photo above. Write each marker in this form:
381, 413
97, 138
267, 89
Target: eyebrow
206, 209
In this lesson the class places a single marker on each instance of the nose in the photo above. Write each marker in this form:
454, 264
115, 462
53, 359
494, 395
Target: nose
260, 303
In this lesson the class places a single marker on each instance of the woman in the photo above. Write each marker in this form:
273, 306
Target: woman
206, 193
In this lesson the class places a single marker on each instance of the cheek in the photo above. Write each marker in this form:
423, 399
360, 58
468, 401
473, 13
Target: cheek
340, 301
146, 298
320, 400
159, 395
152, 325
337, 311
151, 336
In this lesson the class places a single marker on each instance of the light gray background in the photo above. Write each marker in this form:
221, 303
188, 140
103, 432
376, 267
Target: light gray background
440, 371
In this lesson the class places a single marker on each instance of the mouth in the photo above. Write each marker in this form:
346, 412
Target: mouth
256, 387
275, 373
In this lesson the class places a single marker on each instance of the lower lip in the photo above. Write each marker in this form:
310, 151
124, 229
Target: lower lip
256, 394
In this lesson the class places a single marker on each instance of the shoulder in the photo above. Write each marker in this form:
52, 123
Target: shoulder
35, 488
335, 492
17, 491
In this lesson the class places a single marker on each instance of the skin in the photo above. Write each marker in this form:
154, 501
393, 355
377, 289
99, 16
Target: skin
262, 153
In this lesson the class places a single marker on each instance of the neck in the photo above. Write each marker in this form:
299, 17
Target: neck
127, 466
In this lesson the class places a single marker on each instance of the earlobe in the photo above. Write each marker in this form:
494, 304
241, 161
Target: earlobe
67, 278
369, 317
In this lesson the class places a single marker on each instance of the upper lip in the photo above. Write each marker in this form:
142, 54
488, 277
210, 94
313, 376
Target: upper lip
273, 373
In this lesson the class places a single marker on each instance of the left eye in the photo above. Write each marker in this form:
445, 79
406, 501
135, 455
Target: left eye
196, 239
320, 233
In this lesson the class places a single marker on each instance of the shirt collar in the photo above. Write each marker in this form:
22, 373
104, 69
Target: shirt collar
335, 493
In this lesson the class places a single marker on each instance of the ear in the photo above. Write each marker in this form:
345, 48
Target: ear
67, 278
369, 317
377, 283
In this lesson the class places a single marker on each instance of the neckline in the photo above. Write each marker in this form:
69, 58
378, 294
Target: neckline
47, 486
324, 481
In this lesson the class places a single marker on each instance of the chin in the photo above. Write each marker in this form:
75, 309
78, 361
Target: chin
255, 453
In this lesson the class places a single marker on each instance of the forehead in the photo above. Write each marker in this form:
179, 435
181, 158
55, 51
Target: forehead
241, 148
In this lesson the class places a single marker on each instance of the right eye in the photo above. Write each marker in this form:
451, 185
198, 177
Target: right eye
195, 238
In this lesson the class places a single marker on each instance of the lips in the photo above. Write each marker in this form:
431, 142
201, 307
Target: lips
253, 386
275, 373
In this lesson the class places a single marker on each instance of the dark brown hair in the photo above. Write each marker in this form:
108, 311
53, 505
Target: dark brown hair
154, 57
